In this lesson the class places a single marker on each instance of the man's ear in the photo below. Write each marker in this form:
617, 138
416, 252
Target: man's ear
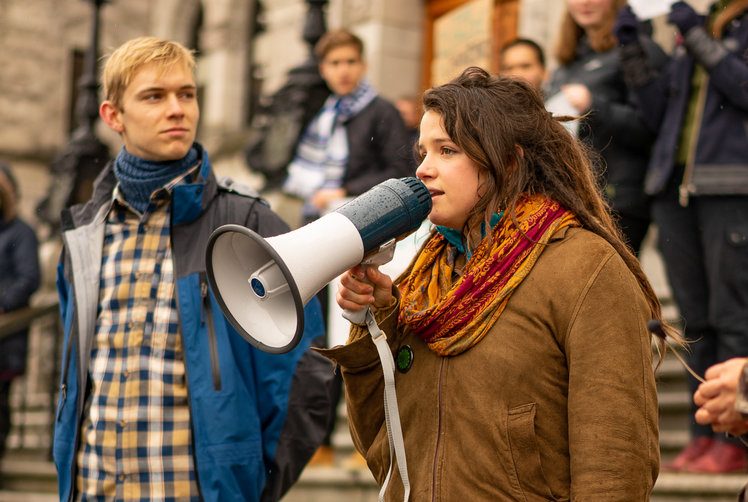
110, 114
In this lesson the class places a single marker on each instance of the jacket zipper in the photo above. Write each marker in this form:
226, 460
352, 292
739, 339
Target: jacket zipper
212, 343
189, 403
64, 378
438, 431
686, 186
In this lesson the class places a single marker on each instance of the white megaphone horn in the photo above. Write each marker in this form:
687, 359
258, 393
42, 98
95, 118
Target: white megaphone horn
263, 284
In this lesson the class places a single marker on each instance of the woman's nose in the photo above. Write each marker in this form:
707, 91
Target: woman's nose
424, 169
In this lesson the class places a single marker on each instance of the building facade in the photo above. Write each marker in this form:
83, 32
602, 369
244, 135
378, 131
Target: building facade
245, 49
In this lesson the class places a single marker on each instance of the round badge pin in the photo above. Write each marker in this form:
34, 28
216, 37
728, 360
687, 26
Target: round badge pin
404, 359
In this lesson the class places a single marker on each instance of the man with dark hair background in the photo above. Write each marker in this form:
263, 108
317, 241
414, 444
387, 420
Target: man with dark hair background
523, 58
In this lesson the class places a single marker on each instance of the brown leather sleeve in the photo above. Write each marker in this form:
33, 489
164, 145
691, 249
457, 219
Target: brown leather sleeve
362, 375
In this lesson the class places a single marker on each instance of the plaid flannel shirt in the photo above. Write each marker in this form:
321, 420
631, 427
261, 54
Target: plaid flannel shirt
135, 436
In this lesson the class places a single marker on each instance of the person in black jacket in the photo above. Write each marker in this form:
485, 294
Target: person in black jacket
591, 80
356, 139
19, 279
698, 176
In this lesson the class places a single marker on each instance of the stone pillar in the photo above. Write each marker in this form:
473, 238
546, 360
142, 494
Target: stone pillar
222, 71
392, 31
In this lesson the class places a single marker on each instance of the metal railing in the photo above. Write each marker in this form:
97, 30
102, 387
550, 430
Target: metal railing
42, 368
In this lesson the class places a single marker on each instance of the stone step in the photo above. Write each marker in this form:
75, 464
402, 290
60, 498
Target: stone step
670, 369
339, 485
32, 417
29, 473
698, 487
672, 442
32, 398
30, 479
26, 496
333, 484
674, 402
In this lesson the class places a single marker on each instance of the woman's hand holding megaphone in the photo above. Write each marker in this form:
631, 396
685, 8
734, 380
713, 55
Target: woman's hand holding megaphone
365, 286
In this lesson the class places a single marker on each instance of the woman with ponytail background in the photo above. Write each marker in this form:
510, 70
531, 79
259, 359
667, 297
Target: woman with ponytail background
698, 177
524, 363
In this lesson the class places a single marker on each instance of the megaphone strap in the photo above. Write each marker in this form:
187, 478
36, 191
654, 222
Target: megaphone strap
391, 411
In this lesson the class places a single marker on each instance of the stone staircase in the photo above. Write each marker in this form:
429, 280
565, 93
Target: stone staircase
674, 400
29, 476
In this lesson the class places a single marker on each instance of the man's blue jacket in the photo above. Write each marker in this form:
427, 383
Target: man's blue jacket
256, 418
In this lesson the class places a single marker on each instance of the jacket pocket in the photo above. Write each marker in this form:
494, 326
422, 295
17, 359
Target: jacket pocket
523, 446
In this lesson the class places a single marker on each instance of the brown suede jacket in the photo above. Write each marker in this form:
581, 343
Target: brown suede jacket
557, 402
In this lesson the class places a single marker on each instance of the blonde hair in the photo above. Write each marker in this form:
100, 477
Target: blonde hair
601, 40
128, 58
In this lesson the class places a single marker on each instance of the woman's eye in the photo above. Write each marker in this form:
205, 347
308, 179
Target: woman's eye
447, 151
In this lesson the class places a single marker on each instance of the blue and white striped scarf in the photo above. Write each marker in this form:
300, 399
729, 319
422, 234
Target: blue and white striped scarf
322, 154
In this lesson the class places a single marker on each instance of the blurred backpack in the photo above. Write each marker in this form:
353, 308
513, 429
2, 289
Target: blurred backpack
279, 122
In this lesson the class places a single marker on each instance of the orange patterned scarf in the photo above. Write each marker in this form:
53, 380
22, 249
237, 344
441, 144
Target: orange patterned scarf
453, 317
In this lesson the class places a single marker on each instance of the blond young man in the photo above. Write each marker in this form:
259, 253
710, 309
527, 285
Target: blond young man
160, 398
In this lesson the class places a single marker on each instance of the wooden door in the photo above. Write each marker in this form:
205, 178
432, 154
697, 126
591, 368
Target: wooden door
500, 18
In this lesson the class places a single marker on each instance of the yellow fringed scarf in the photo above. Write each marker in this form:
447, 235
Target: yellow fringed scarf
453, 317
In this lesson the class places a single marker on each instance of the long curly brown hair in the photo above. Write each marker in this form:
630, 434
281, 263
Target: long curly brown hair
502, 125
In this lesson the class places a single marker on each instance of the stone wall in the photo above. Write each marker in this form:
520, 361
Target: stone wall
32, 90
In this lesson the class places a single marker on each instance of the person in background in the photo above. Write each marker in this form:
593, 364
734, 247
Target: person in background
160, 397
408, 106
19, 279
355, 141
523, 58
722, 399
590, 79
698, 177
524, 362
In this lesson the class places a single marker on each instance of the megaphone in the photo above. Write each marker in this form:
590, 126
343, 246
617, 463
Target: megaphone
263, 284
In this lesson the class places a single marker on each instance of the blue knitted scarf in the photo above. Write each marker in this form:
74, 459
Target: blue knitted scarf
139, 178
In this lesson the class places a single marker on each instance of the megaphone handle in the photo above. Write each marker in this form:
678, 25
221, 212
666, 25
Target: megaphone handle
356, 316
385, 254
